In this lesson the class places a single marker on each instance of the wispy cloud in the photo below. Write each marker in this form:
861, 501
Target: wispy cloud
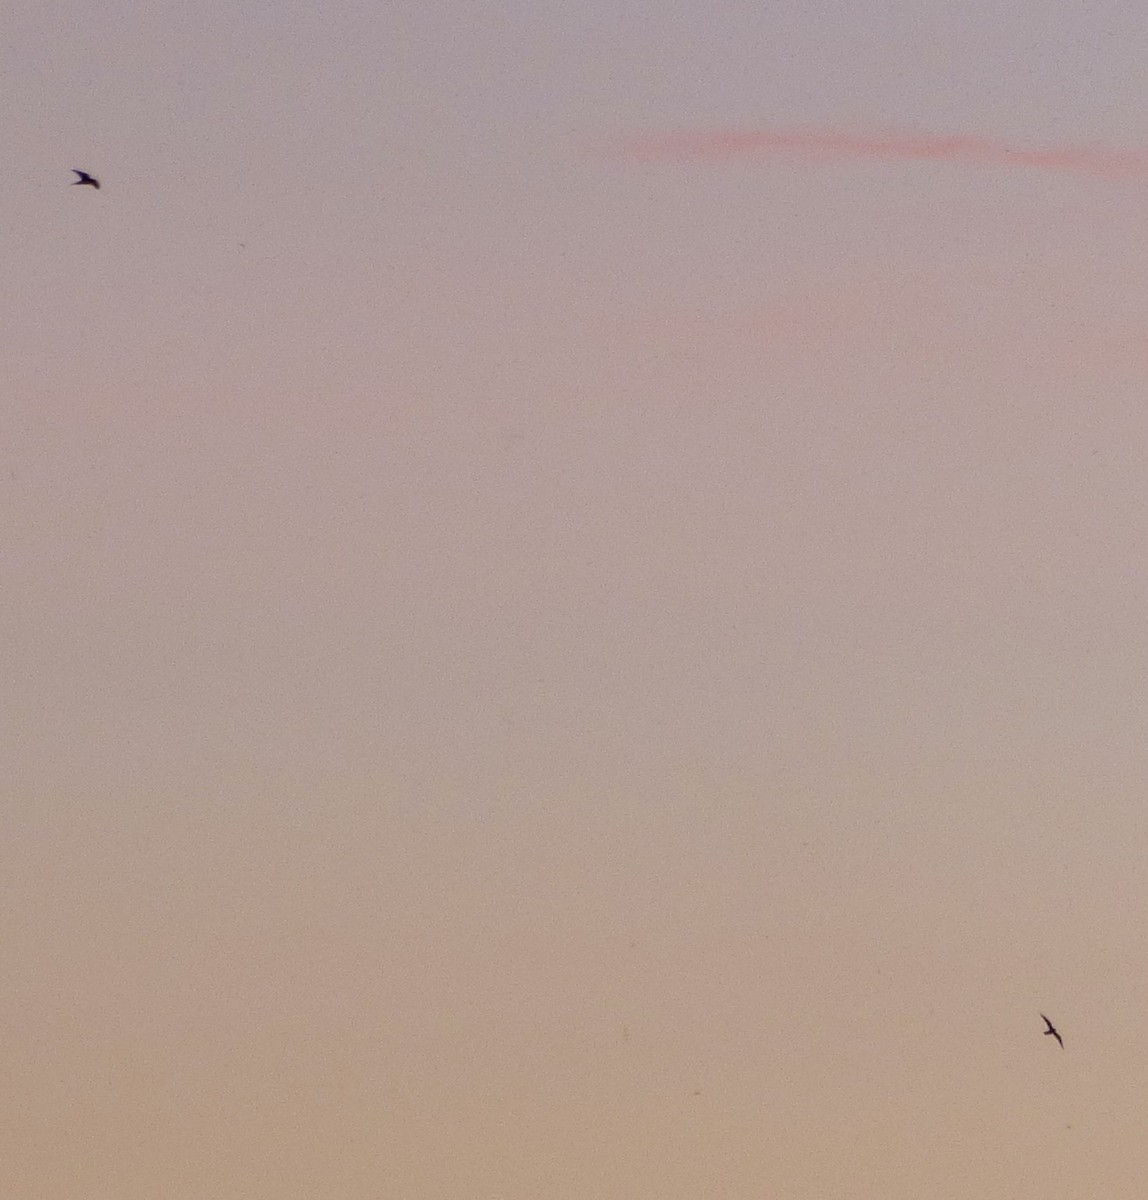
818, 145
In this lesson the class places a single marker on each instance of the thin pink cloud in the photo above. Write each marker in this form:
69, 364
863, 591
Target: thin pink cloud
825, 145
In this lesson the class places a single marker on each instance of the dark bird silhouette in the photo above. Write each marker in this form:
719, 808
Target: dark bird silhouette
85, 179
1052, 1032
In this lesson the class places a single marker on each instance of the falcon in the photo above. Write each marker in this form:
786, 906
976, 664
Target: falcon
84, 179
1051, 1031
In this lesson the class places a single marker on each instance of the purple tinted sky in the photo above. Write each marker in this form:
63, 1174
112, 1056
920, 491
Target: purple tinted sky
537, 674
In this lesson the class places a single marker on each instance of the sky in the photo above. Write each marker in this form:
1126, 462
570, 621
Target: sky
574, 600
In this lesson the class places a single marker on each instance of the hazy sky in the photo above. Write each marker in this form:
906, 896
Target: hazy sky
574, 601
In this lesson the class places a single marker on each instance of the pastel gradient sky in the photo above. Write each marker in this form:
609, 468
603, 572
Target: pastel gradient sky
542, 670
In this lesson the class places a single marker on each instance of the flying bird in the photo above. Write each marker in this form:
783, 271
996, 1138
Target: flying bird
1051, 1031
84, 179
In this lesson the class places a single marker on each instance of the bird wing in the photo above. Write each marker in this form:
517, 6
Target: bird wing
1051, 1028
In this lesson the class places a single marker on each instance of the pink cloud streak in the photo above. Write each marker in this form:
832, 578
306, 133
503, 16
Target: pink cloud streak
824, 145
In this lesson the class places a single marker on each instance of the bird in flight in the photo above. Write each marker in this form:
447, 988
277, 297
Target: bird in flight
84, 178
1051, 1031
